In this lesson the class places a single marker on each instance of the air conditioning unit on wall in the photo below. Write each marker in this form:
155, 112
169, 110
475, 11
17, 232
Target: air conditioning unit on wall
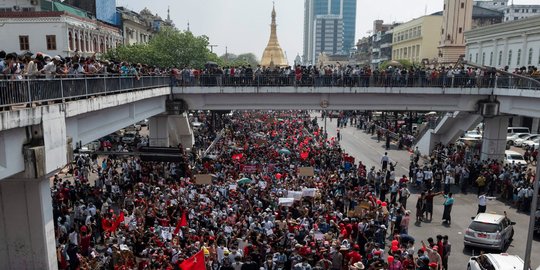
34, 2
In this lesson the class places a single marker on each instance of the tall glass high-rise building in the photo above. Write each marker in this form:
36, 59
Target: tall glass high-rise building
313, 9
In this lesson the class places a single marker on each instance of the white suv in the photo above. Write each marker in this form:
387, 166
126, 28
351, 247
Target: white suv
489, 231
491, 261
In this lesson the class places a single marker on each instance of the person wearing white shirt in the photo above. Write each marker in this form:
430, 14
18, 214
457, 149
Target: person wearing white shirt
482, 201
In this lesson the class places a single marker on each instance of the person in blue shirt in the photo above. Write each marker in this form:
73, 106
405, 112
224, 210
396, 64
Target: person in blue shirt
448, 203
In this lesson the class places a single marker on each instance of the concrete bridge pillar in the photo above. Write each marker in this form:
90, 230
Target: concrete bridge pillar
27, 239
494, 138
170, 130
159, 130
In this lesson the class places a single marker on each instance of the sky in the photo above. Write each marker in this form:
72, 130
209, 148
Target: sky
243, 26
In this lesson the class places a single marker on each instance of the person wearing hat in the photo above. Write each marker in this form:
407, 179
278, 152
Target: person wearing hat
433, 254
354, 255
358, 266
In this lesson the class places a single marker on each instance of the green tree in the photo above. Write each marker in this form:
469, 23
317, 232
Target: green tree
402, 62
169, 47
239, 60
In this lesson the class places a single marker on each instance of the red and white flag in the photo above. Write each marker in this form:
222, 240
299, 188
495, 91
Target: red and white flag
196, 262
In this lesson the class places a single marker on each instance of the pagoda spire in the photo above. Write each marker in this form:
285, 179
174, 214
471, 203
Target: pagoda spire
273, 54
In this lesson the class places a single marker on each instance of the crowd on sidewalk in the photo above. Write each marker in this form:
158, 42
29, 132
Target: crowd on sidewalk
282, 195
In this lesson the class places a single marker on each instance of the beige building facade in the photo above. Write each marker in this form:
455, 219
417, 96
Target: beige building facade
457, 18
417, 39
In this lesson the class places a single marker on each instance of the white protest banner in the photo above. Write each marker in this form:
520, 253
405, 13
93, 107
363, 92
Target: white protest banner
286, 201
296, 195
309, 192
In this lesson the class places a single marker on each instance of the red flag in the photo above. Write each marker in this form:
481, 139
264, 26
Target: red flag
117, 222
196, 262
181, 223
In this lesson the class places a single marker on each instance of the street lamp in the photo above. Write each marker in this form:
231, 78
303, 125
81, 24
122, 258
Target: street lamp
532, 217
324, 105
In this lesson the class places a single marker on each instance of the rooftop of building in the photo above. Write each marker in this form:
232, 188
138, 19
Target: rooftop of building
525, 23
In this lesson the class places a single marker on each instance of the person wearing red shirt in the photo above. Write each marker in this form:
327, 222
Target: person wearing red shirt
354, 256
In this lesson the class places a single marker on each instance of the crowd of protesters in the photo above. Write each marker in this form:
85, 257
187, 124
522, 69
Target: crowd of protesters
460, 165
282, 196
352, 76
31, 66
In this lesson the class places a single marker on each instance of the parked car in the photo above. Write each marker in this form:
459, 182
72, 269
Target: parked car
513, 157
510, 139
93, 146
489, 231
530, 144
519, 142
143, 123
135, 127
129, 137
473, 134
491, 261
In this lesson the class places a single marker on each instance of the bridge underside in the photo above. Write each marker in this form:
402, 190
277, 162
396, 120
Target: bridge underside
83, 121
331, 101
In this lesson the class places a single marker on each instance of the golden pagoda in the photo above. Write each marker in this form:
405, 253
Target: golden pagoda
273, 54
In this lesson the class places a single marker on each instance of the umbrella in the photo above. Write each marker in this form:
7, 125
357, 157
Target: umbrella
244, 180
284, 151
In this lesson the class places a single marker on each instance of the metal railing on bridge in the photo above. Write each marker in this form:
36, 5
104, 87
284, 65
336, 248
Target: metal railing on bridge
283, 80
28, 91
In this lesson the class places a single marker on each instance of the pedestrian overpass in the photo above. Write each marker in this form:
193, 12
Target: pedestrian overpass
42, 121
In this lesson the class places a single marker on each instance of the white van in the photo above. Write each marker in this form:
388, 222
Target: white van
514, 130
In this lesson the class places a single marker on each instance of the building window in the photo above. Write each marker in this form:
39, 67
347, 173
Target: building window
519, 57
509, 58
483, 58
51, 42
24, 43
460, 30
529, 61
476, 57
470, 57
70, 37
462, 5
500, 58
491, 59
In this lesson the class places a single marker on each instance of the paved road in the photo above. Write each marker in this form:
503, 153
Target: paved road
364, 147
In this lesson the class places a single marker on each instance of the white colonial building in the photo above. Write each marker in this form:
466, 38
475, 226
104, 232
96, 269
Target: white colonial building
511, 12
514, 44
54, 29
136, 29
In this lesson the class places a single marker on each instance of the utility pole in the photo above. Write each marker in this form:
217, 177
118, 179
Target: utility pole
532, 217
212, 47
